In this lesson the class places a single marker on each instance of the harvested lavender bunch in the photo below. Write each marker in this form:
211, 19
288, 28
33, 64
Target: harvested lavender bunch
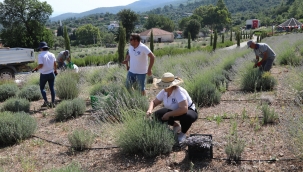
198, 141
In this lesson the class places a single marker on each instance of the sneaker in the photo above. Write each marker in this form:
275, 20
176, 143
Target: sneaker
52, 105
177, 129
45, 104
181, 137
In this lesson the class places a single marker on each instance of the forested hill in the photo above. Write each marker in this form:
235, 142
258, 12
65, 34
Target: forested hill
240, 10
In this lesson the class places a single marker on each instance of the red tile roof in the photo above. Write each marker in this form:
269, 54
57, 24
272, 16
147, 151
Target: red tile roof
156, 31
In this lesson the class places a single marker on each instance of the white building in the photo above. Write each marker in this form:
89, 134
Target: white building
113, 25
253, 24
158, 34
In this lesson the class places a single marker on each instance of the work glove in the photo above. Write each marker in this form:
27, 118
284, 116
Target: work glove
259, 64
56, 73
35, 70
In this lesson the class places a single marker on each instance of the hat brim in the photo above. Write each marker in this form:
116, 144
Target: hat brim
43, 47
161, 84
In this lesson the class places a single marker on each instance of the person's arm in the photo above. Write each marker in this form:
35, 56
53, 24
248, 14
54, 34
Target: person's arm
182, 109
151, 63
152, 105
126, 61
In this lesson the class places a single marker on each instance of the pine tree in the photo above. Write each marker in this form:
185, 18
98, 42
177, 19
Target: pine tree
60, 31
151, 41
122, 43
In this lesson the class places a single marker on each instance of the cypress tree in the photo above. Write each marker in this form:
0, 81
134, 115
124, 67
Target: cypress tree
152, 41
231, 35
238, 38
211, 40
223, 38
189, 41
122, 43
215, 41
66, 40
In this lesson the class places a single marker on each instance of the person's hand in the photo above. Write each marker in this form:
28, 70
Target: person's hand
125, 62
165, 117
35, 70
149, 72
127, 68
148, 113
259, 63
55, 72
255, 65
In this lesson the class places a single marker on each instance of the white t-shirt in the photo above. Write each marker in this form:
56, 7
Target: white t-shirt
178, 95
47, 59
139, 59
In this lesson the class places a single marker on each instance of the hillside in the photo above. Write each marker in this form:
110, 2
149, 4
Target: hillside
138, 6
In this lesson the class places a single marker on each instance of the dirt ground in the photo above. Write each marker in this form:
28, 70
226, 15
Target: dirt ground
49, 147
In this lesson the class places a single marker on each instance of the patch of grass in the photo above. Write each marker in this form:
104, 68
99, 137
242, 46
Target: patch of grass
15, 127
81, 139
67, 85
73, 167
16, 104
30, 92
144, 136
269, 116
8, 90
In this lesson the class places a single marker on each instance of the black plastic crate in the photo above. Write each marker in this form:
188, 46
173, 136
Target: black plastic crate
198, 153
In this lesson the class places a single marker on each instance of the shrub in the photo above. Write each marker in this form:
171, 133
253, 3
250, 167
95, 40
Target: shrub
254, 79
15, 127
234, 147
81, 139
8, 90
16, 104
109, 108
30, 92
70, 108
143, 136
67, 85
206, 94
269, 116
73, 167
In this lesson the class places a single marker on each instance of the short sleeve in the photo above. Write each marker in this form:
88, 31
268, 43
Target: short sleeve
160, 95
180, 96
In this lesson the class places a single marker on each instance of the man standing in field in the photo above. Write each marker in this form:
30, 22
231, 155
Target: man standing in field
47, 68
263, 51
62, 56
139, 66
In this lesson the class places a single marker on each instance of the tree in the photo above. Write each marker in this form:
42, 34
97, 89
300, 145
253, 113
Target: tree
231, 35
193, 28
59, 42
128, 19
60, 31
159, 21
88, 34
66, 39
215, 41
223, 38
183, 23
152, 41
122, 43
24, 22
188, 41
211, 40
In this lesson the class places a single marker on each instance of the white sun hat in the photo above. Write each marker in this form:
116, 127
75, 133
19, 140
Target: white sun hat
168, 80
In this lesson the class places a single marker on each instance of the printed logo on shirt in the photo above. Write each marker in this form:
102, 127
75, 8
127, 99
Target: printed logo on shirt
174, 101
138, 53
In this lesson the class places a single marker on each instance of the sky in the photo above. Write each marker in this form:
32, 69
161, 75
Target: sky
78, 6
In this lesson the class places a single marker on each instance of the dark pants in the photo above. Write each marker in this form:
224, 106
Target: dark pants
61, 65
267, 65
50, 78
186, 120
